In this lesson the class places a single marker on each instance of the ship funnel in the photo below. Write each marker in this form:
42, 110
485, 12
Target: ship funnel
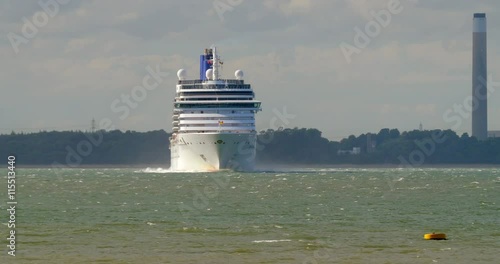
206, 62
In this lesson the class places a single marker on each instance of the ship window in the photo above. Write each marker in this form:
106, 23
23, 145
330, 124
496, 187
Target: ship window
219, 105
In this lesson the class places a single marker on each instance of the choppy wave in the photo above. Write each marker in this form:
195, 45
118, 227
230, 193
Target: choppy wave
154, 170
163, 170
271, 241
259, 216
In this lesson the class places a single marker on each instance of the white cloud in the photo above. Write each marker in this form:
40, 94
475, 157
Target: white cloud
78, 44
93, 51
425, 109
127, 17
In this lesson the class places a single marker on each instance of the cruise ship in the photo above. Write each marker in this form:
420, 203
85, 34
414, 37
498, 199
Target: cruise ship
213, 120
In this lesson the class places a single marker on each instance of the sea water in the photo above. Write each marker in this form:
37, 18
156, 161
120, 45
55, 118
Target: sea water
300, 216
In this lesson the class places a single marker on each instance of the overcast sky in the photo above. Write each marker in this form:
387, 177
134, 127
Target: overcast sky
64, 64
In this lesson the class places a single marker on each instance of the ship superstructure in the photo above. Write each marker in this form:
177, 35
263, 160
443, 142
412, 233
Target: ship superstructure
213, 120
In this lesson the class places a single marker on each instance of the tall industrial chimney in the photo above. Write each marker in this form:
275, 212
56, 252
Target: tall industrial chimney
479, 77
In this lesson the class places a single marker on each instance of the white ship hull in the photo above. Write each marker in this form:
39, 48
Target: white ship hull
213, 122
213, 151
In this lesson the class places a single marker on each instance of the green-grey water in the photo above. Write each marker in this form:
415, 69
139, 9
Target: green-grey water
302, 216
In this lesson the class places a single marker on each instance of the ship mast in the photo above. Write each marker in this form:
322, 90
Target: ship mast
215, 75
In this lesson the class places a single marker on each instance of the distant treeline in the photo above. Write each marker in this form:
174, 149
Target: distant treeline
285, 146
388, 146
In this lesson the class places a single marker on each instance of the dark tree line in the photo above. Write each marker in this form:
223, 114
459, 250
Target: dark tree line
388, 146
82, 148
284, 146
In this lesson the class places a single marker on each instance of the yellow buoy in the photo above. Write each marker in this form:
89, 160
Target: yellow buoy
434, 236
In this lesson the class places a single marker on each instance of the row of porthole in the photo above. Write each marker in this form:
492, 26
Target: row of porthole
203, 143
222, 112
218, 142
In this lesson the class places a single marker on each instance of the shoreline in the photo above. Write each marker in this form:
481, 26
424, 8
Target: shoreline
94, 166
271, 166
379, 166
